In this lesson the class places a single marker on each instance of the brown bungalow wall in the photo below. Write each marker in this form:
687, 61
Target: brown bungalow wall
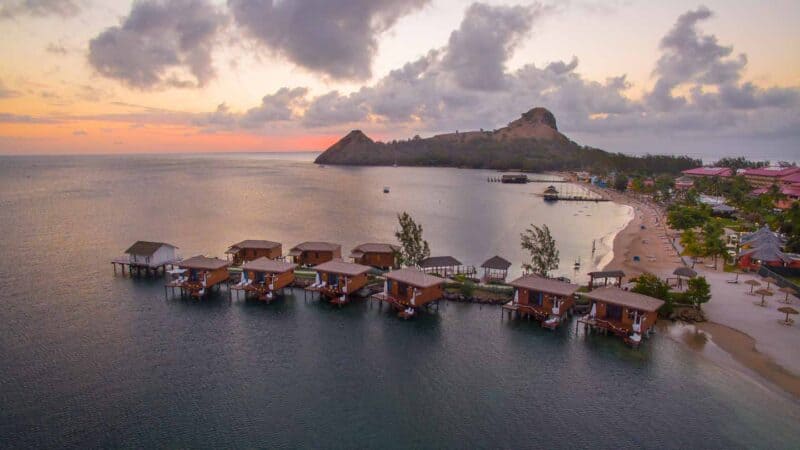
380, 260
425, 296
313, 258
249, 254
650, 319
281, 280
526, 295
354, 282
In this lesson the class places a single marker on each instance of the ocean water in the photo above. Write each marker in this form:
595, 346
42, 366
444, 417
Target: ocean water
88, 359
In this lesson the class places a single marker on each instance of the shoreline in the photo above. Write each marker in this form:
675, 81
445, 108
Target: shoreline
653, 240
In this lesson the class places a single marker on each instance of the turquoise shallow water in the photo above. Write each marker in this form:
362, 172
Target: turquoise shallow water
92, 360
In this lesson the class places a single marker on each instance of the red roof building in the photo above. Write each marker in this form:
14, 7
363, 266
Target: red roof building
768, 176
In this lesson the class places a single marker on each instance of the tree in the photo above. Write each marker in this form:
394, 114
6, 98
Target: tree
620, 182
651, 285
691, 245
686, 217
413, 249
542, 247
713, 243
698, 291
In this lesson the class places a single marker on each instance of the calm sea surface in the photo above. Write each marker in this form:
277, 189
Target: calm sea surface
92, 360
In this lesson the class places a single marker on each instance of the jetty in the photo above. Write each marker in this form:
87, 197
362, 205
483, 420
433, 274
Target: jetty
551, 194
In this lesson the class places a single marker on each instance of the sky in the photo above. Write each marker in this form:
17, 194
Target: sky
164, 76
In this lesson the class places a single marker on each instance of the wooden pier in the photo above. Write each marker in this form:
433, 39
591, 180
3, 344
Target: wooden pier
138, 269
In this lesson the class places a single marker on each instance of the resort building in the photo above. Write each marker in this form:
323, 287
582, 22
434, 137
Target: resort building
250, 250
198, 274
313, 253
624, 313
408, 290
547, 300
381, 256
147, 256
708, 172
684, 183
264, 277
337, 280
767, 176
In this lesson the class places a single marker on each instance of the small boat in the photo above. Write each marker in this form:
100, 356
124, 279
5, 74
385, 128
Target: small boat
386, 189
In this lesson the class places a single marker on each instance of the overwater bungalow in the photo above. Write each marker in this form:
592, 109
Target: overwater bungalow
265, 277
605, 275
381, 256
495, 269
198, 274
251, 249
408, 290
338, 280
314, 253
626, 314
148, 257
445, 266
544, 299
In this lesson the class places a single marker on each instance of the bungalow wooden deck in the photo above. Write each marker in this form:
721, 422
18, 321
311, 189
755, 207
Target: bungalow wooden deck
408, 290
251, 249
198, 275
625, 314
546, 300
265, 278
338, 280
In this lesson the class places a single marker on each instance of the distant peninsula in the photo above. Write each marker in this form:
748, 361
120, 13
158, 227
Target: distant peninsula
531, 143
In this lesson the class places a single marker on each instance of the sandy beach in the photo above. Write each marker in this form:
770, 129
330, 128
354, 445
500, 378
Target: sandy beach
749, 334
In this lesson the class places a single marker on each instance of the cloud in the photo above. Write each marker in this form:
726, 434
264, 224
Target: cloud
22, 118
6, 92
434, 93
80, 133
56, 49
335, 38
38, 8
477, 52
281, 106
160, 43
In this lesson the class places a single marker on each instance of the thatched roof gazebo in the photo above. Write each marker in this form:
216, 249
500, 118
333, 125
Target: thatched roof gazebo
495, 268
446, 266
683, 272
605, 275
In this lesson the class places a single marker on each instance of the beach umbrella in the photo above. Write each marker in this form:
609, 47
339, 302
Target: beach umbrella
753, 284
763, 293
787, 310
771, 280
787, 290
737, 272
